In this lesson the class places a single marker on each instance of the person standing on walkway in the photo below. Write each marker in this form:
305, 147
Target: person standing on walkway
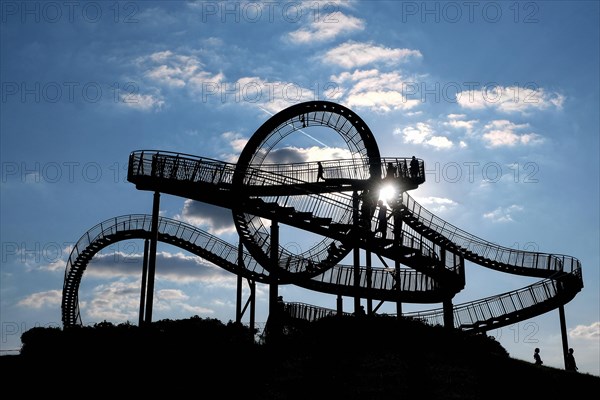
320, 171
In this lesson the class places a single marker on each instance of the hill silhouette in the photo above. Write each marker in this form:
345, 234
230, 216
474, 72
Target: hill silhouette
336, 358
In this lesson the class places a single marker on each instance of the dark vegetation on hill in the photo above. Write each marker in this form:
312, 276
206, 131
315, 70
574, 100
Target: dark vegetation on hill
334, 358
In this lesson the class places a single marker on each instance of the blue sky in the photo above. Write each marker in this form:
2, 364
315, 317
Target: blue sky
500, 99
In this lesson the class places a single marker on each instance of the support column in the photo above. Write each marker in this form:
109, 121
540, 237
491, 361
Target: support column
448, 314
369, 282
563, 333
152, 258
274, 315
356, 258
340, 305
397, 244
144, 279
252, 285
238, 297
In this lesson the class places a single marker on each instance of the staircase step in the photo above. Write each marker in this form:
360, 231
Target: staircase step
321, 221
340, 227
286, 210
304, 215
270, 206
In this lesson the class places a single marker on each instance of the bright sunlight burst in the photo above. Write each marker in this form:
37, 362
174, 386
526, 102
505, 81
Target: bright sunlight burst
387, 193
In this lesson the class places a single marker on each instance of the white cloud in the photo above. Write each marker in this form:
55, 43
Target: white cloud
179, 70
237, 141
272, 96
327, 28
503, 214
216, 220
143, 102
172, 267
457, 121
591, 332
116, 301
306, 154
120, 301
510, 99
436, 204
422, 133
171, 294
175, 71
500, 133
50, 298
354, 54
379, 91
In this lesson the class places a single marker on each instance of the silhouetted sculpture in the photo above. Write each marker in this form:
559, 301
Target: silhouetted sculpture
320, 172
571, 365
536, 357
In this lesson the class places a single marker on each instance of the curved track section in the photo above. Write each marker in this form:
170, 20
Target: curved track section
137, 226
379, 284
365, 159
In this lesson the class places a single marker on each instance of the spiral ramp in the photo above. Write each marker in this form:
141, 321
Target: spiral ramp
341, 209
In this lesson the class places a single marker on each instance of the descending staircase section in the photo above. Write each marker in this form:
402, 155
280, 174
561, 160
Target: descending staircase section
562, 277
382, 284
509, 308
482, 252
484, 314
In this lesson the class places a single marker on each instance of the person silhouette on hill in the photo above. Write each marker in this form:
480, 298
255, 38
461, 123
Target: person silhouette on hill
571, 365
536, 357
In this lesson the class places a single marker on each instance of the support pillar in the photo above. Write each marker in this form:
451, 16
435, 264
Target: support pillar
397, 244
152, 258
563, 333
369, 282
448, 314
252, 285
340, 305
144, 279
356, 258
238, 297
274, 314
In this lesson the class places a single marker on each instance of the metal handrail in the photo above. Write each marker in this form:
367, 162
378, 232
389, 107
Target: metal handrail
488, 250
